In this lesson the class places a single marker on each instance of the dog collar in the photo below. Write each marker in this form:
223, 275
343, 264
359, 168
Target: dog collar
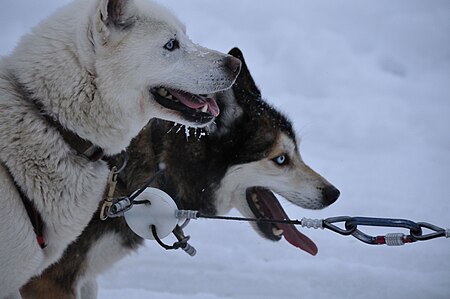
83, 147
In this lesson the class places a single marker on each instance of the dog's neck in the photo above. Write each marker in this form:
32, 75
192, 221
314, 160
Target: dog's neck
82, 146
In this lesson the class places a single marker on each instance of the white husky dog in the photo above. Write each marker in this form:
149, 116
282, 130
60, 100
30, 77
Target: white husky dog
80, 86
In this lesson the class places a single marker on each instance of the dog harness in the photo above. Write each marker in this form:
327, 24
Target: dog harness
83, 147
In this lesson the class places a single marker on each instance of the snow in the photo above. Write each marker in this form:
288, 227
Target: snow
367, 84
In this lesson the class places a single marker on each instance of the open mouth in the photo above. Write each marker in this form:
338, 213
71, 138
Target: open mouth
194, 108
265, 205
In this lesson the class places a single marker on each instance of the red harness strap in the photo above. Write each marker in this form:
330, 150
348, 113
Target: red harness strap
33, 214
35, 218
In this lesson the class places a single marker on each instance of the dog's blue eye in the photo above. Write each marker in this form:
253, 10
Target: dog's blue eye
172, 45
280, 160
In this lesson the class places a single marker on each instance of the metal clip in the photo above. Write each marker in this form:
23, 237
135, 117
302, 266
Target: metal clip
108, 201
328, 223
392, 239
119, 207
436, 232
182, 241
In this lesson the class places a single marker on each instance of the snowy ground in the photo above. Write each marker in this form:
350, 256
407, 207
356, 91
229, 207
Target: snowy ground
368, 87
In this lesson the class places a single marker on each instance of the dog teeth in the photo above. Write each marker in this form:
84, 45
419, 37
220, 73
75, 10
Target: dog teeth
162, 92
255, 197
277, 232
205, 109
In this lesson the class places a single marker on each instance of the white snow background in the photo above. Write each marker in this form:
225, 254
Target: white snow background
367, 84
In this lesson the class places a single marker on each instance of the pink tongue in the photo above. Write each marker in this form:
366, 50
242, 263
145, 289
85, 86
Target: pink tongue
291, 234
196, 101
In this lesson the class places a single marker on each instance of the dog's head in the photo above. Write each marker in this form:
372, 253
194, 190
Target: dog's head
265, 160
145, 60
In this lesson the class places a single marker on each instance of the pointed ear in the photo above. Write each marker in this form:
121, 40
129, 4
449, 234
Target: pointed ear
245, 81
114, 14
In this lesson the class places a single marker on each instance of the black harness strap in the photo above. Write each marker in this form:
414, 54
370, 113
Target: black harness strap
82, 146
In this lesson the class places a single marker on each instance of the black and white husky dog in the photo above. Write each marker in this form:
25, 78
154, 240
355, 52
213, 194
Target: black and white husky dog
249, 153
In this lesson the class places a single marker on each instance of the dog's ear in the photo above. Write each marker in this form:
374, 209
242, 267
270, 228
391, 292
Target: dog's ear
114, 15
244, 82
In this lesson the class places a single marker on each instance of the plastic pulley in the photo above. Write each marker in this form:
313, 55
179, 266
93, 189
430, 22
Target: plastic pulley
159, 211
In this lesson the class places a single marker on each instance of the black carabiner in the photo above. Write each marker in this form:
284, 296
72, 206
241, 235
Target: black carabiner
384, 222
389, 239
437, 232
328, 223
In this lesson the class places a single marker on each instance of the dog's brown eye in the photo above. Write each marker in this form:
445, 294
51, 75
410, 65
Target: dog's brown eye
171, 45
281, 160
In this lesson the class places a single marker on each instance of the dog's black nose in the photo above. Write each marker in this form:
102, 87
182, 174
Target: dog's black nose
331, 194
233, 64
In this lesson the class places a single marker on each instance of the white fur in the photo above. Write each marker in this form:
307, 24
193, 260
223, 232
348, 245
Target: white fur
94, 79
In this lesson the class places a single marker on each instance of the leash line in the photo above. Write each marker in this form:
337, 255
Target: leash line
133, 196
261, 220
351, 227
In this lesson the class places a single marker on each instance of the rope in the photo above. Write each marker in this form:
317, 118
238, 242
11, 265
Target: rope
260, 220
312, 223
186, 214
394, 239
142, 189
